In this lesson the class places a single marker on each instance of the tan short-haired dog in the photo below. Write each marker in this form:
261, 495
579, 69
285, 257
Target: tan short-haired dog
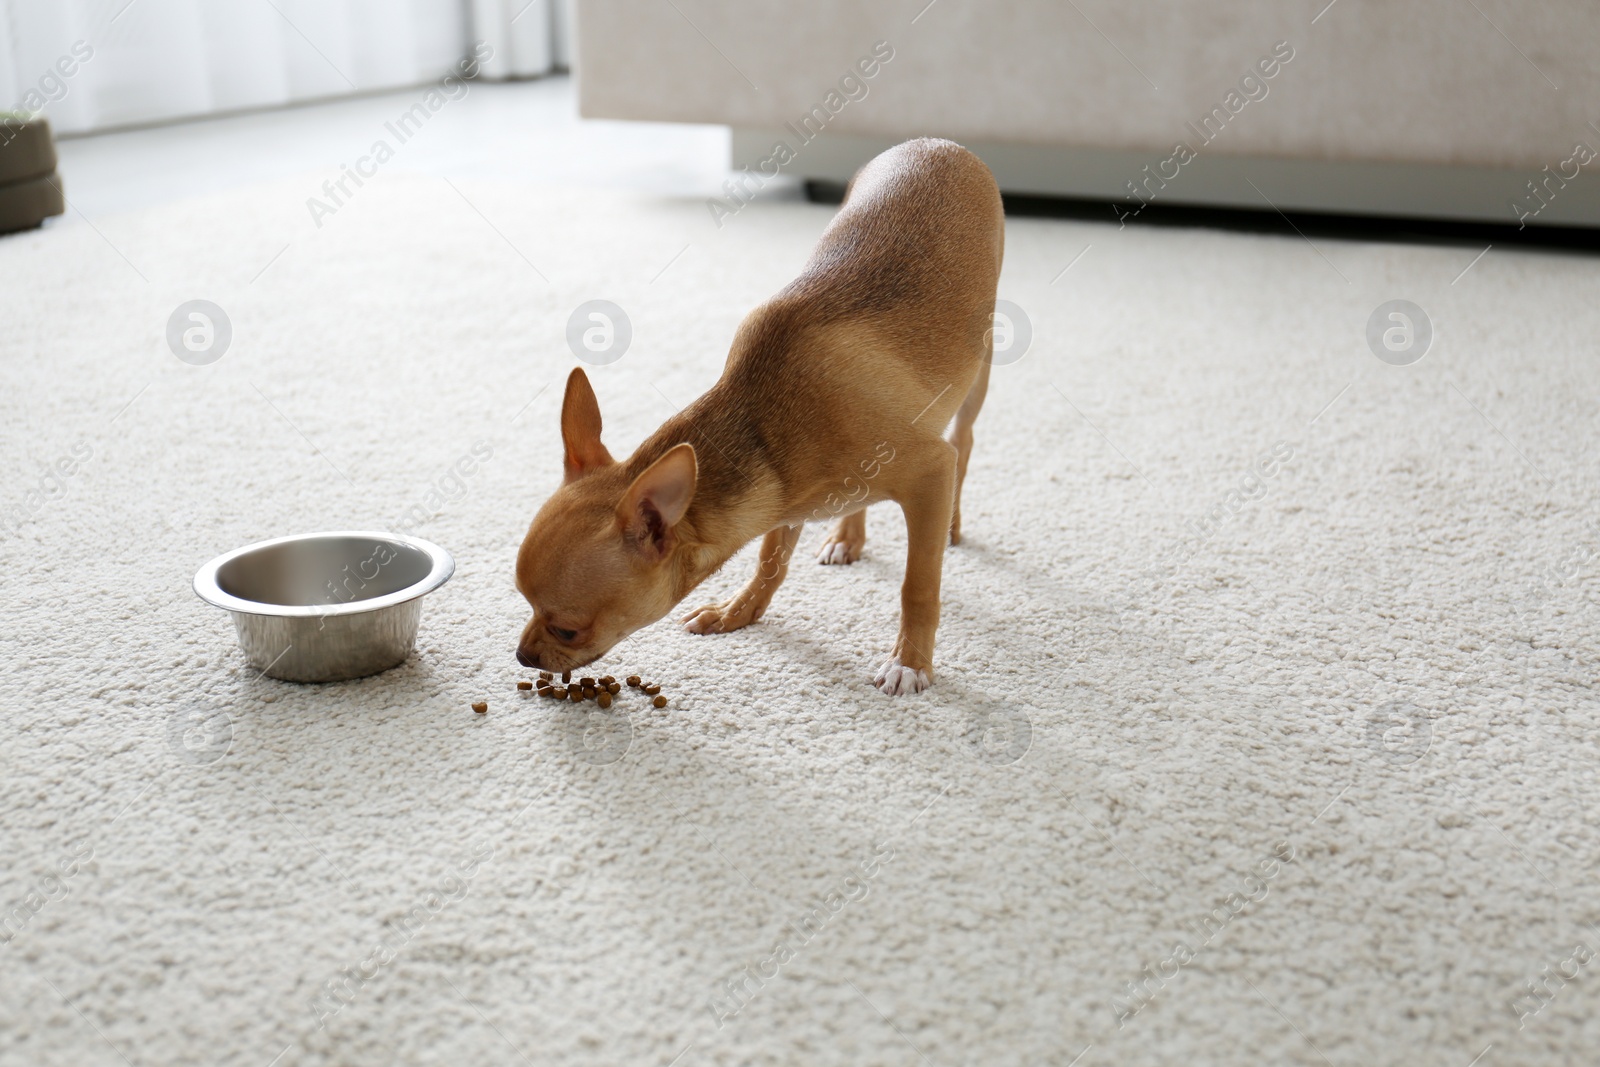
835, 395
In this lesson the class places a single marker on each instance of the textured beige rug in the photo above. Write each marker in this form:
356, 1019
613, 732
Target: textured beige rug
1264, 731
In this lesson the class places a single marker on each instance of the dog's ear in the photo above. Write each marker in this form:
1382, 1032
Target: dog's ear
657, 500
580, 428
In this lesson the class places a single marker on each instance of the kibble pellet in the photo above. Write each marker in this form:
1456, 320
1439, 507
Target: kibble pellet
633, 681
604, 698
660, 702
651, 690
480, 707
524, 686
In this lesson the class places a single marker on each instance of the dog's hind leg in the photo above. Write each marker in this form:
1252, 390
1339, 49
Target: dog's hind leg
844, 544
750, 603
923, 488
961, 437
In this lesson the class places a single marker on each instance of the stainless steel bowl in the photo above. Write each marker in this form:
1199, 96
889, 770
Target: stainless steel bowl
325, 607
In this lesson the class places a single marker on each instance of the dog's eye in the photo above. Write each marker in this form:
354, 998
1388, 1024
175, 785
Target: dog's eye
561, 635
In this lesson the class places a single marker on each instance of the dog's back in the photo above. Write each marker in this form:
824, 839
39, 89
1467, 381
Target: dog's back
896, 301
921, 230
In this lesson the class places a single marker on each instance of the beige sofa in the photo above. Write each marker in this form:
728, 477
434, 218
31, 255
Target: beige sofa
1479, 110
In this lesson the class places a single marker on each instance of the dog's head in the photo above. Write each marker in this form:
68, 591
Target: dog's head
598, 561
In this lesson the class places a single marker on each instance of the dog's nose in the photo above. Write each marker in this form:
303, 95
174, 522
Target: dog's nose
527, 660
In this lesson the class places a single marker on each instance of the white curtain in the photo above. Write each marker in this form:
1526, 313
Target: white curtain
523, 34
95, 64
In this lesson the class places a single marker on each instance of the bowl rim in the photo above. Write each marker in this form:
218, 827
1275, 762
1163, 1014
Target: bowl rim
442, 566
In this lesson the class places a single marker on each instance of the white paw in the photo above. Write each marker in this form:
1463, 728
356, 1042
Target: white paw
836, 552
894, 678
706, 620
721, 618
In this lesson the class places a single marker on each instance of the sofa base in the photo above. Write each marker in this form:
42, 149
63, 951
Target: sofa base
1381, 190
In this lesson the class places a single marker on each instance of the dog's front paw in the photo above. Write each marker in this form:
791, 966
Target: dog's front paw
838, 552
845, 541
722, 618
840, 549
894, 678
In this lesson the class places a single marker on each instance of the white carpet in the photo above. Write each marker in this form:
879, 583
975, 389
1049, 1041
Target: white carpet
1124, 727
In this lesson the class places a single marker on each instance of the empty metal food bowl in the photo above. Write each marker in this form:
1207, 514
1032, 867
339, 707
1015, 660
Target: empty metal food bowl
325, 607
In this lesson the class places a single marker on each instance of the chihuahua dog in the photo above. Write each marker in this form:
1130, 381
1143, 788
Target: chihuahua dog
835, 395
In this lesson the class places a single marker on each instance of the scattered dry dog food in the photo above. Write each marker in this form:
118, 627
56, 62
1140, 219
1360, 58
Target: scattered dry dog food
480, 707
603, 691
